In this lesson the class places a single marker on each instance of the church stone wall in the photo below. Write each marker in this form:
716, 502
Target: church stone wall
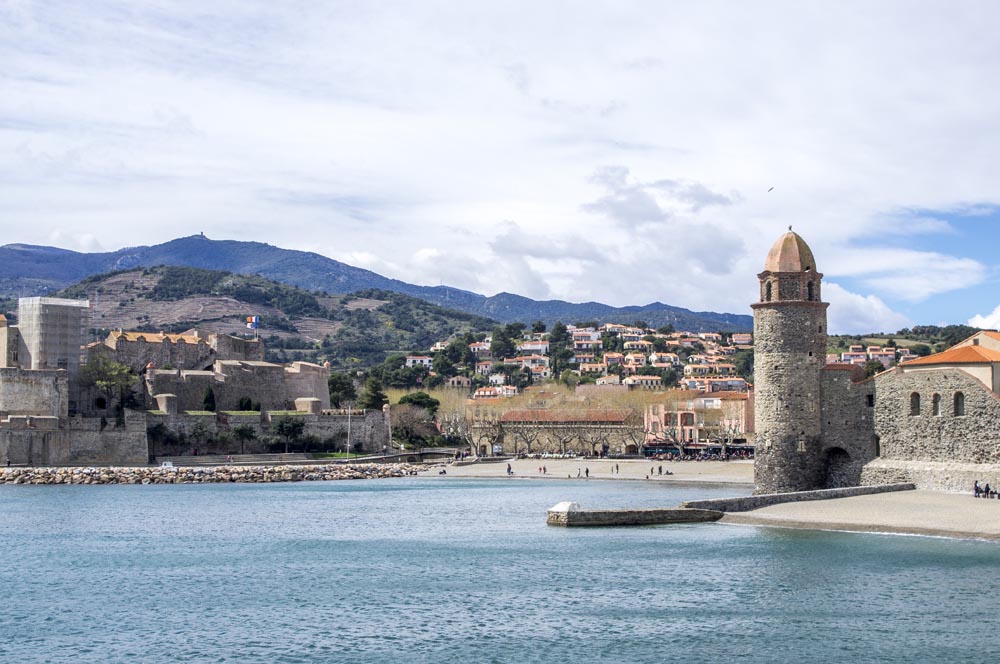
848, 426
946, 437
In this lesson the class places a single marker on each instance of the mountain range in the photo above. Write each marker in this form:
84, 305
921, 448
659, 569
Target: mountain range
28, 270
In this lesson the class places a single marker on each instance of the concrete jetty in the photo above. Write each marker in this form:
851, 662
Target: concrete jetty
572, 514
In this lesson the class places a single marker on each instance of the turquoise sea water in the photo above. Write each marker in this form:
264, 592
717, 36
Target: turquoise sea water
449, 570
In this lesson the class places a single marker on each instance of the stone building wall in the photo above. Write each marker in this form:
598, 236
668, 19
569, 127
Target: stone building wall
946, 437
848, 424
789, 353
161, 352
227, 347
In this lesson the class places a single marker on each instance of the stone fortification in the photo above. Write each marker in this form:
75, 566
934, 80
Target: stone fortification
369, 431
203, 475
272, 386
50, 441
190, 350
42, 392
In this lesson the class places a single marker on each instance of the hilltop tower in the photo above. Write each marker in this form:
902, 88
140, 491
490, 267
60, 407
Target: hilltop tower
789, 354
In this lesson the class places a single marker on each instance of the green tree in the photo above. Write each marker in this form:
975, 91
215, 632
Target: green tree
373, 397
873, 367
341, 389
502, 345
244, 433
538, 327
208, 402
111, 378
289, 428
421, 400
665, 329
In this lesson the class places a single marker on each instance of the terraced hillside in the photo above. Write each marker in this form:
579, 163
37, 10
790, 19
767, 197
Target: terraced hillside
350, 331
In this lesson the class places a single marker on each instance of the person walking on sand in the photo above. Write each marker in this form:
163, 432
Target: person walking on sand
586, 471
578, 473
509, 471
545, 471
975, 489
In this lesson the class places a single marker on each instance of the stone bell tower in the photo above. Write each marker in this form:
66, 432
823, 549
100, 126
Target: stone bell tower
789, 325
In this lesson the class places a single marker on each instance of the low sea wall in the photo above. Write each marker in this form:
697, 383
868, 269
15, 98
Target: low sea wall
203, 475
747, 503
948, 476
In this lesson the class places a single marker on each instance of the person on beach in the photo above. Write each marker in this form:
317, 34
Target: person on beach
975, 489
586, 471
986, 490
578, 472
545, 471
617, 470
509, 470
659, 471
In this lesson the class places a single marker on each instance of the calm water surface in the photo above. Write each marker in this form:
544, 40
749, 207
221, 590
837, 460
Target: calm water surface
429, 570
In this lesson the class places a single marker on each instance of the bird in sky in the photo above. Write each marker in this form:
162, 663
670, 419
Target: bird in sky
770, 190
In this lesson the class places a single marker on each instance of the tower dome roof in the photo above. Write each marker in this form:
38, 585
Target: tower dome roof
790, 254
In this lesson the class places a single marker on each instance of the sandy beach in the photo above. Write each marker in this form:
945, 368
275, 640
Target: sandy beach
909, 512
905, 512
714, 472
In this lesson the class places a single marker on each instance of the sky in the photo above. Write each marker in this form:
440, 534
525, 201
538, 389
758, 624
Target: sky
621, 152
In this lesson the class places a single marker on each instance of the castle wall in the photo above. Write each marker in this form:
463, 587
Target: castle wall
848, 425
162, 353
273, 386
369, 431
227, 347
42, 392
47, 441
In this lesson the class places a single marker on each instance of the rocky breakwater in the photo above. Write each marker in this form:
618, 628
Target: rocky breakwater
203, 474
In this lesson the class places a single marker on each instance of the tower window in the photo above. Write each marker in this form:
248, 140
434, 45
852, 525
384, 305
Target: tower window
767, 291
870, 399
959, 404
914, 404
810, 292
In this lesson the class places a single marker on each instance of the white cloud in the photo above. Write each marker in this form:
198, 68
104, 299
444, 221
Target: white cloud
850, 313
990, 321
371, 131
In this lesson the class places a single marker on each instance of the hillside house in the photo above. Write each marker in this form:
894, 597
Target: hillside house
419, 361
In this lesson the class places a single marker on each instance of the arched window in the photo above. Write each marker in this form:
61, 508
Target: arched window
959, 404
914, 404
810, 294
767, 292
936, 405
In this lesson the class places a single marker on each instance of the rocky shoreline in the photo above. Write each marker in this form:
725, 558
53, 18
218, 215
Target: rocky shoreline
203, 474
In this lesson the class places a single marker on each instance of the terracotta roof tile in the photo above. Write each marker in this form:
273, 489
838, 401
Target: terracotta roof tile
960, 355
